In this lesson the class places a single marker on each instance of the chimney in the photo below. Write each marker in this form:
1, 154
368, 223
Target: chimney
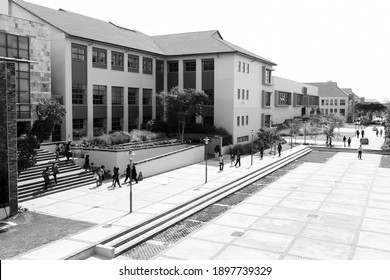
4, 7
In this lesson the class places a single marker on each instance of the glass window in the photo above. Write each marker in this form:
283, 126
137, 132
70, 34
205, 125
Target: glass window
117, 95
133, 63
239, 66
208, 65
247, 120
243, 67
210, 94
267, 101
335, 102
342, 102
268, 76
331, 102
99, 95
242, 120
247, 67
99, 58
243, 93
247, 94
238, 120
116, 124
133, 96
78, 52
238, 94
146, 96
147, 65
342, 112
284, 98
79, 94
190, 66
173, 66
322, 102
116, 61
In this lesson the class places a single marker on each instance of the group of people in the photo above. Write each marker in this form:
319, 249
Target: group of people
46, 174
347, 141
360, 133
131, 174
63, 149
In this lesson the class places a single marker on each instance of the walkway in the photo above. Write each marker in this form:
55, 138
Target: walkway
305, 190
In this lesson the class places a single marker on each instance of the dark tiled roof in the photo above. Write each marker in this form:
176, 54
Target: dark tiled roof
349, 91
90, 28
329, 89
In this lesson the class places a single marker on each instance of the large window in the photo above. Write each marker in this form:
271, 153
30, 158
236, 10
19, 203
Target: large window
116, 124
99, 95
99, 126
78, 52
267, 75
116, 61
117, 95
210, 94
147, 65
342, 112
190, 66
14, 46
99, 58
132, 63
173, 66
79, 94
284, 98
299, 99
242, 139
342, 102
267, 99
208, 65
238, 120
146, 96
79, 128
133, 96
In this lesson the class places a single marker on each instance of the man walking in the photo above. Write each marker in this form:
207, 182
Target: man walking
344, 139
221, 164
134, 174
362, 133
349, 142
280, 149
261, 151
360, 151
128, 170
357, 133
45, 175
232, 158
55, 171
238, 159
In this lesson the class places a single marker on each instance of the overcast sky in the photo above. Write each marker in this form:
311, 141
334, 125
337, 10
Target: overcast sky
346, 41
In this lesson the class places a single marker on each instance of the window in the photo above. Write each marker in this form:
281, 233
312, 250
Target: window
242, 139
117, 95
146, 96
243, 93
313, 100
78, 52
173, 66
14, 46
267, 120
326, 102
267, 76
331, 102
208, 120
239, 66
210, 94
23, 111
342, 102
326, 112
22, 82
99, 95
335, 102
242, 120
342, 112
322, 102
147, 65
208, 65
79, 128
247, 68
247, 94
133, 96
247, 120
99, 58
284, 98
238, 93
79, 94
331, 111
243, 67
299, 99
116, 124
335, 111
267, 100
99, 126
238, 120
116, 61
322, 111
132, 63
190, 66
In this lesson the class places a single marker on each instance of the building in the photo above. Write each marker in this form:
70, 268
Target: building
333, 100
353, 99
108, 76
291, 99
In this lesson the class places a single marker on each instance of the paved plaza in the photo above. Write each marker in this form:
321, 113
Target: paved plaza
333, 210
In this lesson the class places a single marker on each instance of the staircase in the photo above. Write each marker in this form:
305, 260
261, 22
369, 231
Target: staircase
31, 183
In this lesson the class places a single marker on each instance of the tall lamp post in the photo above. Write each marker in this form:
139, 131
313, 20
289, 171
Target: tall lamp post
304, 141
131, 155
252, 148
206, 141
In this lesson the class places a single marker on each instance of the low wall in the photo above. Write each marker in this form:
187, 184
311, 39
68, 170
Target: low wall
170, 161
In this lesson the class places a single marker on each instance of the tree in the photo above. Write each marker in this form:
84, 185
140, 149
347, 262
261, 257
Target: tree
50, 113
183, 105
368, 109
26, 151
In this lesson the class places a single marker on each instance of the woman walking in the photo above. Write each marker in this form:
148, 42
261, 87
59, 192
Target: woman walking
86, 164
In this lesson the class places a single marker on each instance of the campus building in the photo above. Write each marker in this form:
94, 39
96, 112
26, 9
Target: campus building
353, 99
333, 100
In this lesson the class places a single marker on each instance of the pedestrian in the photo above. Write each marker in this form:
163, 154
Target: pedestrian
261, 152
134, 175
344, 140
217, 151
232, 159
330, 142
54, 170
238, 159
381, 132
86, 163
221, 163
128, 170
45, 175
115, 177
280, 149
349, 141
360, 151
68, 152
362, 133
100, 172
96, 176
357, 133
57, 152
377, 133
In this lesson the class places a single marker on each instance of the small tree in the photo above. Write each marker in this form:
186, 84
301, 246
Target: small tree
368, 109
183, 105
50, 113
26, 151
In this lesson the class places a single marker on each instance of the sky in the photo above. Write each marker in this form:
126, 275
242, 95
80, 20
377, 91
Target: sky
344, 41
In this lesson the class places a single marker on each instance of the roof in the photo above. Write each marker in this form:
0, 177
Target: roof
329, 89
349, 91
200, 43
90, 28
98, 30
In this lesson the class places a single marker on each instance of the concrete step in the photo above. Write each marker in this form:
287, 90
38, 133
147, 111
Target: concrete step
37, 172
123, 241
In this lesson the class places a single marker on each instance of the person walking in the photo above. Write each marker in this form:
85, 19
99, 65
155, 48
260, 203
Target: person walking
360, 151
86, 164
357, 133
45, 175
134, 174
362, 133
232, 159
128, 170
221, 163
68, 152
57, 152
115, 177
377, 133
238, 159
217, 151
261, 152
54, 170
100, 172
96, 176
381, 132
280, 149
349, 141
344, 140
330, 142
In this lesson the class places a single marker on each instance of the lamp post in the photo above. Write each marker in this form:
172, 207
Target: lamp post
131, 155
252, 148
304, 141
206, 141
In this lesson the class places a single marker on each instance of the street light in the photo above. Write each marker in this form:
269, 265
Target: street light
304, 141
206, 141
252, 148
131, 155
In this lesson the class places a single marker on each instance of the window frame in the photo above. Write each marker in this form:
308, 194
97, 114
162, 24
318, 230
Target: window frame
147, 65
133, 63
101, 61
99, 95
117, 61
